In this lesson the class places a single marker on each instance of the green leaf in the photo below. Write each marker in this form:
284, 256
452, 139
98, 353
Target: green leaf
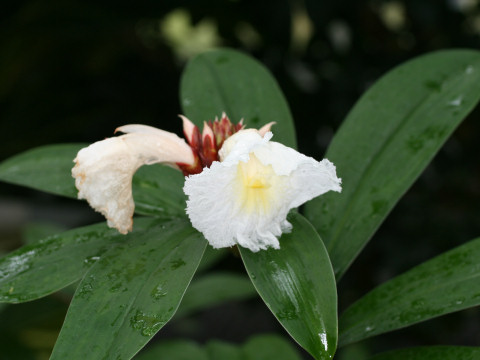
298, 285
268, 347
130, 293
231, 82
174, 350
432, 353
447, 283
41, 268
157, 189
213, 289
388, 138
46, 168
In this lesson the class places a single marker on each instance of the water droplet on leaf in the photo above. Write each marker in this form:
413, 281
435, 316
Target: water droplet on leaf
456, 102
158, 292
175, 264
147, 324
89, 260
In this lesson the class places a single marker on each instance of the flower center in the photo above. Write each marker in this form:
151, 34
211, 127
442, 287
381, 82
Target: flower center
255, 182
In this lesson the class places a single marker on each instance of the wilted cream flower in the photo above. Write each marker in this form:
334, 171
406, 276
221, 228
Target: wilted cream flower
103, 171
245, 197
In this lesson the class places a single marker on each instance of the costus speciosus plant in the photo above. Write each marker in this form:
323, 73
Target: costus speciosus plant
173, 205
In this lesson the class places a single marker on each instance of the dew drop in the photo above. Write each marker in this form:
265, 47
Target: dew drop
288, 313
87, 287
89, 260
459, 301
85, 291
175, 264
18, 264
418, 304
115, 288
147, 324
456, 102
158, 292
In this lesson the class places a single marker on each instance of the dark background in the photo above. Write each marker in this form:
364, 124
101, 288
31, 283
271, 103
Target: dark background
72, 71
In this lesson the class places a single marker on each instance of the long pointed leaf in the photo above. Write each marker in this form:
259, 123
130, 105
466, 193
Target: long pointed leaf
50, 264
130, 293
158, 191
447, 283
229, 81
387, 140
46, 168
298, 285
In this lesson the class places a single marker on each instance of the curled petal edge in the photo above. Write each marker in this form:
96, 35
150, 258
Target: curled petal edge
104, 170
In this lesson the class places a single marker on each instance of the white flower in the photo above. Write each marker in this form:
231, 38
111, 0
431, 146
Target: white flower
245, 198
104, 170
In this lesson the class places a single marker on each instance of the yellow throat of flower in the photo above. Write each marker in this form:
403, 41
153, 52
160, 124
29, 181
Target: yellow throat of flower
255, 182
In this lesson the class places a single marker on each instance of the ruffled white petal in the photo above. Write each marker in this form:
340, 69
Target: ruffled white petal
245, 198
103, 171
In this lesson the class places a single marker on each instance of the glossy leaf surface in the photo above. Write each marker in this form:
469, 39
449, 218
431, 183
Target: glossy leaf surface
432, 353
388, 138
447, 283
48, 265
157, 189
46, 168
213, 289
130, 293
231, 82
298, 285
